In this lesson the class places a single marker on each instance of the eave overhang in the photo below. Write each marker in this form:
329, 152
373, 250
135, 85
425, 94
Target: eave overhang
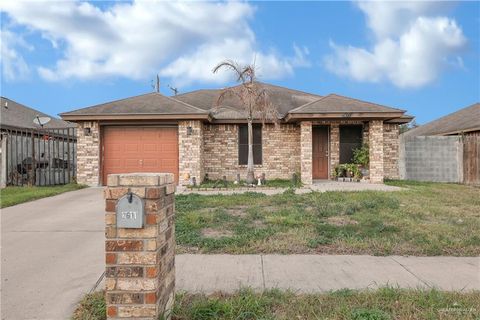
129, 116
291, 117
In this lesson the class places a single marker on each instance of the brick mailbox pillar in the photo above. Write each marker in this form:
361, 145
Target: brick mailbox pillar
140, 261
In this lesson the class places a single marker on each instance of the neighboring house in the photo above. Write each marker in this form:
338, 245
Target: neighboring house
190, 137
444, 150
25, 145
465, 121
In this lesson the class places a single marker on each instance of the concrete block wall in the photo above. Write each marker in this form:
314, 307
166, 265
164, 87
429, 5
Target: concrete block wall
432, 158
140, 263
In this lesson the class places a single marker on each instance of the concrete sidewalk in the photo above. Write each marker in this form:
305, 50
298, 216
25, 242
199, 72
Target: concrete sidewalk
323, 186
321, 273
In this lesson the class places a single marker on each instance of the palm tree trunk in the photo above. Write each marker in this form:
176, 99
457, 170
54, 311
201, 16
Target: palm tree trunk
250, 173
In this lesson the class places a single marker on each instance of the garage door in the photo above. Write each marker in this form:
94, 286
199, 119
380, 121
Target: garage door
134, 149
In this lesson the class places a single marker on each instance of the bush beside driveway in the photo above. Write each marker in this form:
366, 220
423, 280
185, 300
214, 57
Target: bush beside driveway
424, 219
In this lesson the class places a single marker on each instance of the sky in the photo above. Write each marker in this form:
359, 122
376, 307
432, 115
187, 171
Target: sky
423, 57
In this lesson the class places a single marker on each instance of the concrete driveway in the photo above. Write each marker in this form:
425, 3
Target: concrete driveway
52, 254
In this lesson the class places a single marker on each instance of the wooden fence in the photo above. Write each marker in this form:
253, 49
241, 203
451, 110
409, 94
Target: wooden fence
471, 159
39, 156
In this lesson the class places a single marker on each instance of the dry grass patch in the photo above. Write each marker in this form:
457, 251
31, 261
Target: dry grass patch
423, 219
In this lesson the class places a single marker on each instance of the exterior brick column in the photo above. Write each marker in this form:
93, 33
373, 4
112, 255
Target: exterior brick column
190, 151
375, 135
140, 263
88, 153
306, 152
334, 146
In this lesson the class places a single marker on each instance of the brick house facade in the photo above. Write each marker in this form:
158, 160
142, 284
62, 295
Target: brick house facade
208, 142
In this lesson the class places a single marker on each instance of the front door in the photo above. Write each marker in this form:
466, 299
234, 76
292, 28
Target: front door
320, 152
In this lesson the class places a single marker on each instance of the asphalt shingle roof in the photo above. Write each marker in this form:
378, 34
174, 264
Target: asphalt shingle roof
333, 103
150, 103
17, 115
466, 119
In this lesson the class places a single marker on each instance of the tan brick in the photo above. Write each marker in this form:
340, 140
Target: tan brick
135, 179
110, 283
110, 219
146, 232
112, 180
135, 284
136, 258
150, 245
115, 193
137, 311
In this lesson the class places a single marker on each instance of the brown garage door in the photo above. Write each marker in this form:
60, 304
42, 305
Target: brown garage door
134, 149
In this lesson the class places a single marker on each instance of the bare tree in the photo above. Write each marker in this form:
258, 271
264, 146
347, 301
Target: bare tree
254, 100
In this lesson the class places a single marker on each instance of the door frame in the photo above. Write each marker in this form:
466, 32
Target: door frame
328, 127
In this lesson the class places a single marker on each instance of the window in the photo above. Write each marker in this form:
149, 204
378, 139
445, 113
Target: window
243, 144
350, 139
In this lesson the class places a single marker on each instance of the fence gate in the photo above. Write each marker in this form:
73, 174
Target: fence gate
471, 159
40, 157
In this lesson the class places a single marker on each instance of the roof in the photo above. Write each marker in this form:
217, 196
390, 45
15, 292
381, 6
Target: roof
284, 99
17, 115
202, 104
464, 120
146, 104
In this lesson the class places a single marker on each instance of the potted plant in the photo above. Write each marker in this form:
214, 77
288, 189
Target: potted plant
361, 157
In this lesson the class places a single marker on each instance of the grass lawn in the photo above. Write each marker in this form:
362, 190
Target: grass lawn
424, 219
11, 196
381, 304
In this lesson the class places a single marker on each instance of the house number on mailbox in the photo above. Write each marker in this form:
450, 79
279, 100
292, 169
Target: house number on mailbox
130, 211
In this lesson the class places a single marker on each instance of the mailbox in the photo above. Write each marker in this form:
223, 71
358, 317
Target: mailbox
130, 211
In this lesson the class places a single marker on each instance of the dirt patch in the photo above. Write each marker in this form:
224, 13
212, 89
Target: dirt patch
341, 221
240, 211
215, 233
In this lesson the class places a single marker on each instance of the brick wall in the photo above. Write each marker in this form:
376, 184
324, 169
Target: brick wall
140, 263
280, 151
88, 153
376, 151
306, 151
334, 145
390, 150
190, 151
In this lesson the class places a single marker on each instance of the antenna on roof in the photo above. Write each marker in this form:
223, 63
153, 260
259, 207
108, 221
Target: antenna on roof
175, 90
156, 86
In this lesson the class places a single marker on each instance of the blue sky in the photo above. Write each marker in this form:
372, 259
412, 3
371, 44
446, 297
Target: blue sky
418, 56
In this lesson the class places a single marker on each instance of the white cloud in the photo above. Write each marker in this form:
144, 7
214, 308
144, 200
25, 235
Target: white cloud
135, 40
410, 48
12, 63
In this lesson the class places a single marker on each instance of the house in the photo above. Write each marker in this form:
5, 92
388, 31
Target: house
191, 137
26, 145
465, 121
443, 150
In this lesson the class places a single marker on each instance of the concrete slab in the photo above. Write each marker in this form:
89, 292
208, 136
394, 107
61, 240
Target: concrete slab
321, 273
211, 273
445, 273
52, 254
